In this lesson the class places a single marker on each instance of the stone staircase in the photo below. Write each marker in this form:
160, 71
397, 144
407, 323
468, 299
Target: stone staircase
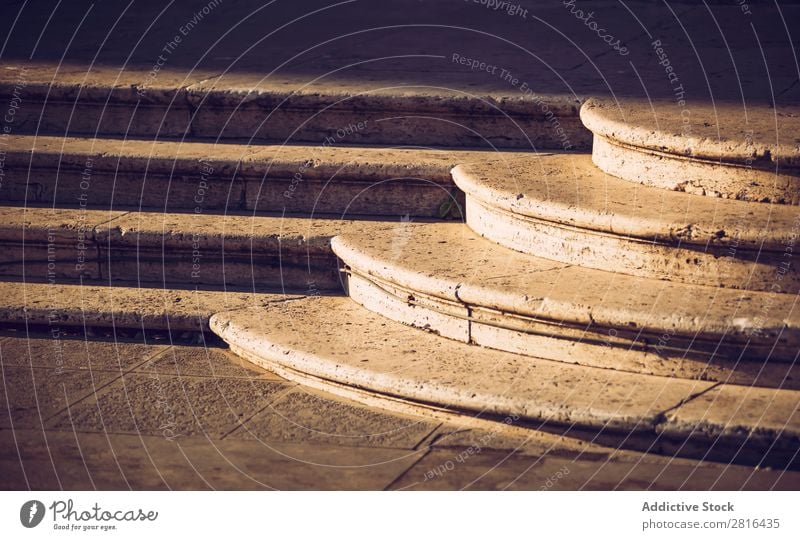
572, 300
578, 298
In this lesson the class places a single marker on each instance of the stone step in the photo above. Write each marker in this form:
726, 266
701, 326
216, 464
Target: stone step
52, 98
716, 149
58, 308
173, 250
561, 207
337, 342
445, 279
215, 177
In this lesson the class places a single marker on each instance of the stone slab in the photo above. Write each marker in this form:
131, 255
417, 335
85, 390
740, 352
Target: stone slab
206, 177
201, 361
131, 307
737, 418
91, 461
747, 152
574, 216
388, 358
59, 352
448, 469
153, 404
451, 263
307, 417
31, 396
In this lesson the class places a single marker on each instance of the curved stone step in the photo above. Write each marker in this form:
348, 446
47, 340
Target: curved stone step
280, 106
717, 149
561, 207
190, 250
206, 177
445, 279
333, 339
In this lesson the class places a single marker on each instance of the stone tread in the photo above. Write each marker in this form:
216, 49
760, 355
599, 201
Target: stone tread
257, 234
568, 189
450, 262
758, 134
43, 152
392, 359
68, 82
129, 307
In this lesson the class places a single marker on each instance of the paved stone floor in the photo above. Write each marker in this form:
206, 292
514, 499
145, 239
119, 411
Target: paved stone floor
90, 414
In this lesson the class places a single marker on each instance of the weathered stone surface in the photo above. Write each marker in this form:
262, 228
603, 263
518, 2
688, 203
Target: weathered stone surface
736, 418
337, 340
509, 438
76, 354
50, 244
201, 361
444, 278
206, 177
562, 208
307, 417
285, 106
256, 252
724, 150
153, 404
196, 249
133, 307
31, 396
90, 461
441, 469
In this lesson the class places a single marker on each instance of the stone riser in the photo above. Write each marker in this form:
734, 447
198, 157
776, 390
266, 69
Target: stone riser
694, 176
717, 266
43, 245
391, 125
240, 271
180, 192
610, 348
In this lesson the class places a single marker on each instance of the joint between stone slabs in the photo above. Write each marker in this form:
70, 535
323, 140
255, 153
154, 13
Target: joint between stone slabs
661, 417
430, 438
290, 386
47, 423
391, 486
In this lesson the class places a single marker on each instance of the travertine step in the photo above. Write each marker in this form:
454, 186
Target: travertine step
108, 101
57, 307
561, 207
720, 149
207, 177
336, 341
445, 279
173, 250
